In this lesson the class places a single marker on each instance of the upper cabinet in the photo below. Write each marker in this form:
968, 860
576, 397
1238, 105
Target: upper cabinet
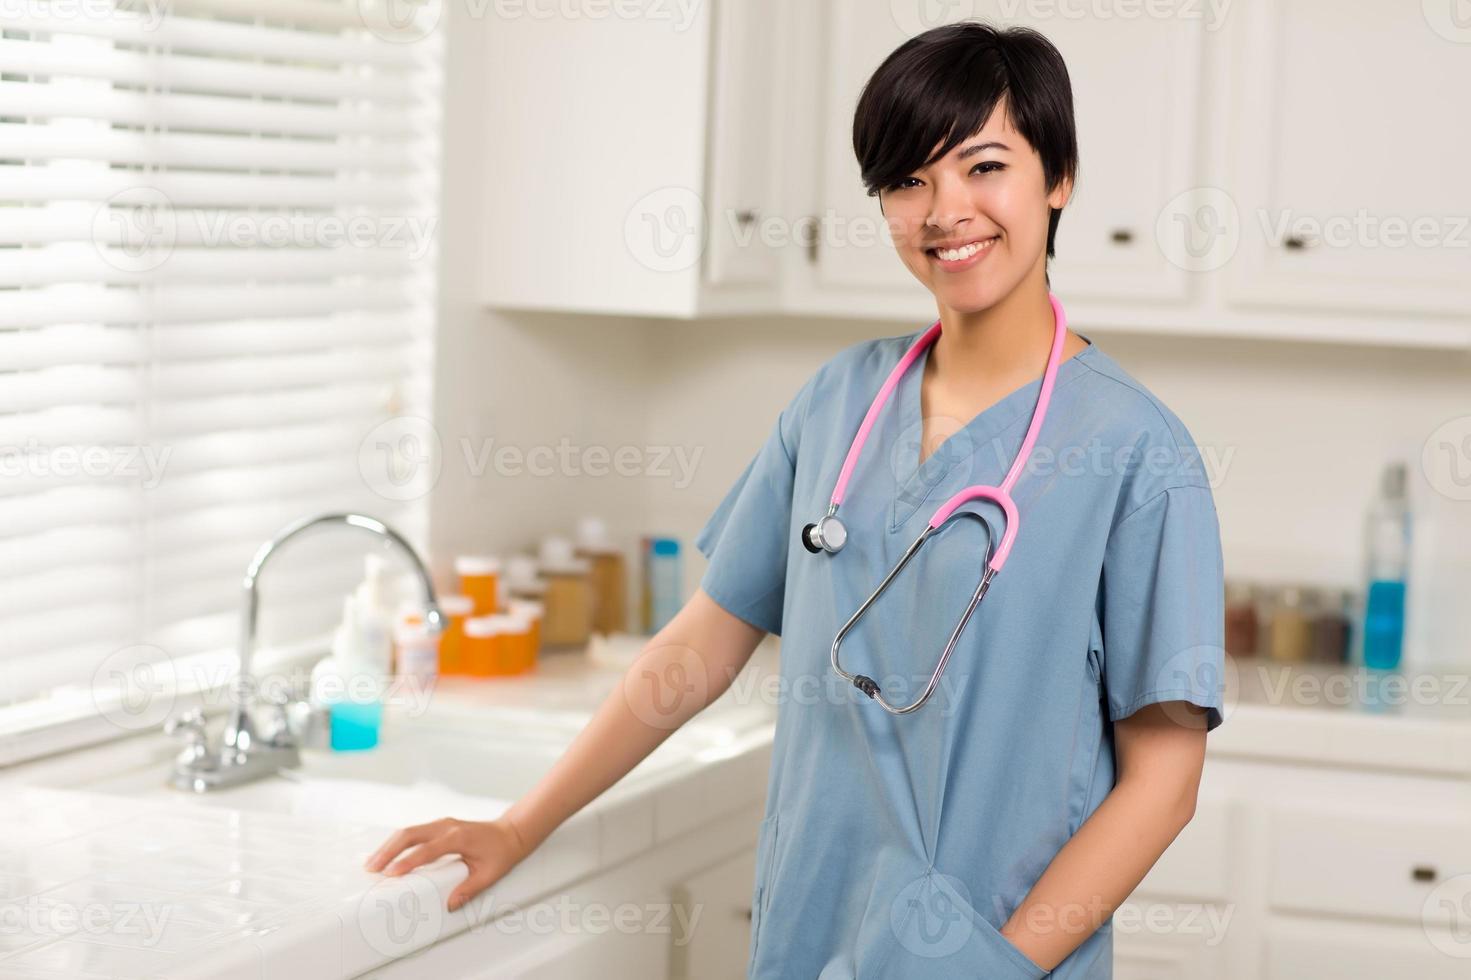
1288, 169
1351, 143
644, 193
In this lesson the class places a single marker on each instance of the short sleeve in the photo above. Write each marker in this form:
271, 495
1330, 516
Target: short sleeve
746, 539
1162, 606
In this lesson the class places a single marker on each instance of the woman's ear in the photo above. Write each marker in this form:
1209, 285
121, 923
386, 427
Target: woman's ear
1060, 194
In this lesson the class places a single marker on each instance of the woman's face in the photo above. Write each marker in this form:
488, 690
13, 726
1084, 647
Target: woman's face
973, 224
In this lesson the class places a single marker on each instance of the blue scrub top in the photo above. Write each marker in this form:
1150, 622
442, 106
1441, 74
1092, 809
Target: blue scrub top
897, 846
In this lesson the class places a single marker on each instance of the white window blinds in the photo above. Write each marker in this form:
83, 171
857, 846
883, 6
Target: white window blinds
216, 281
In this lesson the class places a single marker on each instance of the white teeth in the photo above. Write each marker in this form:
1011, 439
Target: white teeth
956, 254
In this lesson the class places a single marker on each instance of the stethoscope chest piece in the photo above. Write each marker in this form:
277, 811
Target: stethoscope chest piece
828, 535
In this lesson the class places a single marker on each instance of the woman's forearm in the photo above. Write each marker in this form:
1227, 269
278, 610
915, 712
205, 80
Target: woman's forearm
685, 666
1095, 871
1160, 751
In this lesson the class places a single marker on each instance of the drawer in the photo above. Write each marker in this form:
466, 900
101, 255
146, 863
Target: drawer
1383, 864
1197, 864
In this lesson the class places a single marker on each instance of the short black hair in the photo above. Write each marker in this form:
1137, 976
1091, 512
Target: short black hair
943, 85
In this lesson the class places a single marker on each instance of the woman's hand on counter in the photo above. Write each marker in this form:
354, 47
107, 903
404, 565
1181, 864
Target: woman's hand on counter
490, 848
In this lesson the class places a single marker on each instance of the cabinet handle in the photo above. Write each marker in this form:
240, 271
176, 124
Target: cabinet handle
1295, 243
1423, 872
816, 237
1121, 236
746, 913
745, 216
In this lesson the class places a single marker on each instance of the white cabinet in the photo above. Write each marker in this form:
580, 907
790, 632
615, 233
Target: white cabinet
1292, 871
1106, 246
1350, 145
718, 902
644, 193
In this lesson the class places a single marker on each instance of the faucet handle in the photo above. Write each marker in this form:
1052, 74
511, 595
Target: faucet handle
278, 728
190, 725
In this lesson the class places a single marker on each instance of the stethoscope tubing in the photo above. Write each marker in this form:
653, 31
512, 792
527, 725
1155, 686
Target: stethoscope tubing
829, 534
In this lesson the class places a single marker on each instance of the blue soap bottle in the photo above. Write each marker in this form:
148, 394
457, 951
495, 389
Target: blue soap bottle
1388, 551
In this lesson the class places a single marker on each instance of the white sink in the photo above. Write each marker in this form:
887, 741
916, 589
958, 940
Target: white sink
451, 762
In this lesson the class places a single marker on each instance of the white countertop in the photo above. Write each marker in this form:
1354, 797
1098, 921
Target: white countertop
1347, 715
100, 885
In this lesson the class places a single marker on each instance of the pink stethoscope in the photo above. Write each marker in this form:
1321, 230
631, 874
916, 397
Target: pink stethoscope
829, 535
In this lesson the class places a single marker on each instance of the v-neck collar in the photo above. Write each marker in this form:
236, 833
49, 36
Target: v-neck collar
917, 482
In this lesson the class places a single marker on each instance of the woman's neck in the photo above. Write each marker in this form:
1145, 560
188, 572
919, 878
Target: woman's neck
996, 349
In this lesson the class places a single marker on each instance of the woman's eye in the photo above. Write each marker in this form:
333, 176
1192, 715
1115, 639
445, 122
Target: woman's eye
989, 166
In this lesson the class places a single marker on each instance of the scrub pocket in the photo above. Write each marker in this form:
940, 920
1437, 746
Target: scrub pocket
931, 931
765, 853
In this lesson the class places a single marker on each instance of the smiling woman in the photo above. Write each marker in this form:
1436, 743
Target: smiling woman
992, 829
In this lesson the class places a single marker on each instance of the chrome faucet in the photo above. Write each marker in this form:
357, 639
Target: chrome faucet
245, 753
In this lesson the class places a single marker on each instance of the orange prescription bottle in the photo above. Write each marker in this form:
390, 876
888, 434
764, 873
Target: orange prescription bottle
456, 609
529, 613
480, 580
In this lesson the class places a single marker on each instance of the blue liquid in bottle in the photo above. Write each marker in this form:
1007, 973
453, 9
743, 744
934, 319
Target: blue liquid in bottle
1384, 624
1388, 541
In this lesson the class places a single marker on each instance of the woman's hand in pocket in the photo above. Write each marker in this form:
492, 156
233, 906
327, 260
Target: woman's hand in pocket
490, 848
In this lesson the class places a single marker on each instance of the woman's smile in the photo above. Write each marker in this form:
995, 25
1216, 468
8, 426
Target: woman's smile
955, 258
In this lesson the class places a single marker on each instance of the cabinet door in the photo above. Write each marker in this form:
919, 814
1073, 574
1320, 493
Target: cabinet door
1362, 951
742, 190
1350, 146
599, 206
717, 902
1135, 87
